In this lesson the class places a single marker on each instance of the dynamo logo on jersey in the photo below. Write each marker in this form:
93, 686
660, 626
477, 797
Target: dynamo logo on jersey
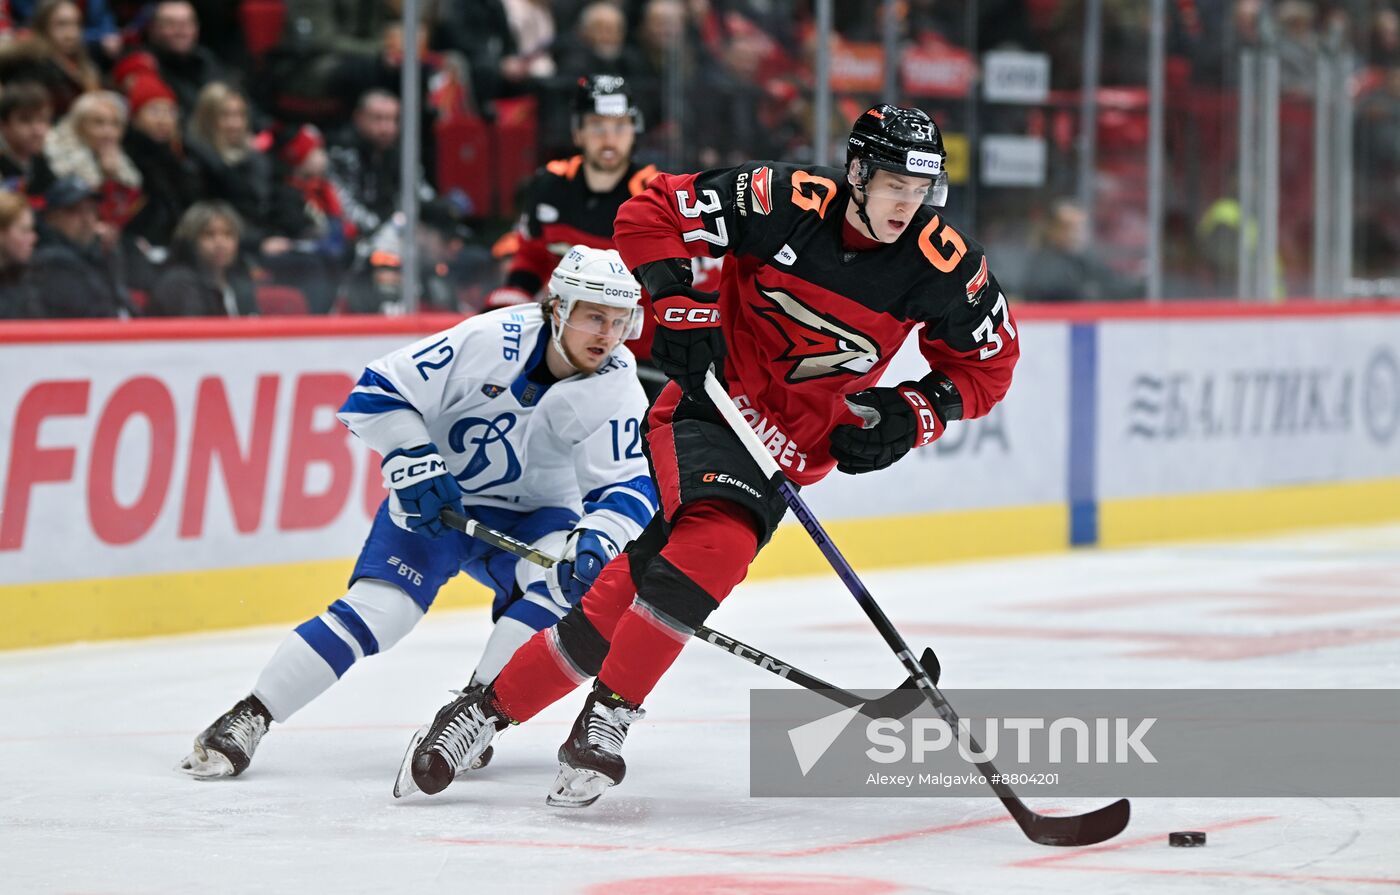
491, 458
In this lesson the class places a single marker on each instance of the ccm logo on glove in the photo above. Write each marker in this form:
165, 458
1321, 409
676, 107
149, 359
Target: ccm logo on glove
431, 466
420, 487
929, 425
682, 312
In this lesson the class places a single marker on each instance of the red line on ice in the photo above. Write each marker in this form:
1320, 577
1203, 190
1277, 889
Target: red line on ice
825, 848
1204, 646
1068, 860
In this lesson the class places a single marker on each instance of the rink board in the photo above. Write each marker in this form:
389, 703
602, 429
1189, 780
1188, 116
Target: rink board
167, 476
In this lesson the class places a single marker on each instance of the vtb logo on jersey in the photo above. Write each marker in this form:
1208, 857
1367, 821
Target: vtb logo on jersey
818, 345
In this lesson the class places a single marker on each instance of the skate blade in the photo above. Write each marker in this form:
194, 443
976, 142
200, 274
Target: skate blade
577, 788
206, 764
403, 783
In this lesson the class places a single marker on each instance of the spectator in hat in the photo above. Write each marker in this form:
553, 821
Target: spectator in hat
87, 144
130, 66
153, 144
450, 264
26, 115
17, 237
74, 275
208, 274
303, 154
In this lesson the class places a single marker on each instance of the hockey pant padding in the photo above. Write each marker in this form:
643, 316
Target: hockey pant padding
371, 617
707, 554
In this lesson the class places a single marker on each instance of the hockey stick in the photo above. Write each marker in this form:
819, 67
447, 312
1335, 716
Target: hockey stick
896, 704
1083, 829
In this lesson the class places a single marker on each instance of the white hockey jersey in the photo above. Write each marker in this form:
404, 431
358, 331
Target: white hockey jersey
512, 442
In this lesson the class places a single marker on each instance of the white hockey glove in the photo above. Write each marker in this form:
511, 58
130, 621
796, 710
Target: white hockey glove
420, 486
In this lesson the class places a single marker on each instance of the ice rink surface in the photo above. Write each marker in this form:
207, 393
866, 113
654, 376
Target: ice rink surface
90, 803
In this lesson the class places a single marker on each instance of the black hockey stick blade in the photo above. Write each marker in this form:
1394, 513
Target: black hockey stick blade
1097, 826
902, 700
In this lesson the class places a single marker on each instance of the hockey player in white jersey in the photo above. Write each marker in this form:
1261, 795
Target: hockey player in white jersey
528, 422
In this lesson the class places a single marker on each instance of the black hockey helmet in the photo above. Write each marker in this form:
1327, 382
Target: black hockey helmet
900, 140
603, 95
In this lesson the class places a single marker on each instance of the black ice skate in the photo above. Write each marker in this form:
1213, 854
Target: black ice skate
591, 758
458, 740
226, 747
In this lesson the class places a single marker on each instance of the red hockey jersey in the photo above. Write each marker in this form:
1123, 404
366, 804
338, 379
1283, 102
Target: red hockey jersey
807, 321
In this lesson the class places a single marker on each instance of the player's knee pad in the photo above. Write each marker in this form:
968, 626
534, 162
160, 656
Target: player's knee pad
578, 638
647, 545
377, 614
673, 597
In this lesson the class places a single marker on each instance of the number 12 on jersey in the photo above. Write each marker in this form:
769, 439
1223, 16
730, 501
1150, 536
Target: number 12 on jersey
629, 430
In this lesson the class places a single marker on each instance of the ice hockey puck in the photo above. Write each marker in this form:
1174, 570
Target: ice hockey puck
1189, 839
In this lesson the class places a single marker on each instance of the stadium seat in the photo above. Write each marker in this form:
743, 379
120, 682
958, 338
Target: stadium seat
277, 300
262, 22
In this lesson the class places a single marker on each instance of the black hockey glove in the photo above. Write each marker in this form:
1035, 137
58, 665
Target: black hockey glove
688, 338
897, 419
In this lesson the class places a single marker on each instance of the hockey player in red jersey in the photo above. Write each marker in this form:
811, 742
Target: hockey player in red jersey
828, 271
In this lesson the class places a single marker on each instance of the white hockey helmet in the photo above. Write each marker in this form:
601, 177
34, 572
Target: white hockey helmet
599, 276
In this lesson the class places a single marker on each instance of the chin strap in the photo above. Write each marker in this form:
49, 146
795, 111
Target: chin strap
860, 206
556, 335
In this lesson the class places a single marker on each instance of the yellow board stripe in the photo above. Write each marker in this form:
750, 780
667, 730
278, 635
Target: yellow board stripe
145, 605
1228, 514
178, 602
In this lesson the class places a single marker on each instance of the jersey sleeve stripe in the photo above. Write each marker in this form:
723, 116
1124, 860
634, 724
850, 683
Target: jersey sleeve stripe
624, 504
374, 379
371, 403
640, 485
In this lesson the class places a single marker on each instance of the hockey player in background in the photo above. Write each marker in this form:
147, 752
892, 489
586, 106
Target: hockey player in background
829, 270
575, 200
529, 416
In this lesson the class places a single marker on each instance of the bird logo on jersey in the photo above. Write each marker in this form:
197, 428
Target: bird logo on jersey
819, 345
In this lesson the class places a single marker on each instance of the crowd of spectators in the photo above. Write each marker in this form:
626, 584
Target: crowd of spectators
201, 157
